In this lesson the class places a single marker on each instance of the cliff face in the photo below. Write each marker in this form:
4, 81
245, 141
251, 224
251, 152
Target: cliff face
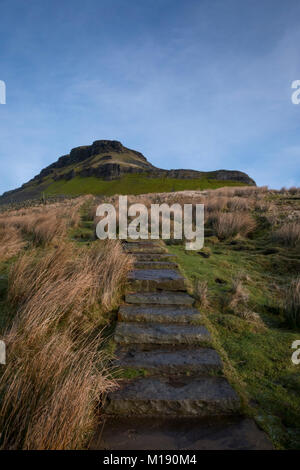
101, 159
109, 160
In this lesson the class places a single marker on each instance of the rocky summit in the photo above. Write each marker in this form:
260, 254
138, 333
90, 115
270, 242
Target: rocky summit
107, 161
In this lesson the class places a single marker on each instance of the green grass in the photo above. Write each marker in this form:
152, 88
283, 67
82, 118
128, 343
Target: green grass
131, 184
85, 231
257, 359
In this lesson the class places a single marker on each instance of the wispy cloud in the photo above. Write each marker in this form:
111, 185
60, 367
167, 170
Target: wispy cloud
202, 85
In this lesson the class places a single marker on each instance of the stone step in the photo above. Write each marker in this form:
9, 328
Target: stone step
158, 333
159, 298
139, 248
155, 265
141, 241
172, 433
152, 279
155, 257
198, 397
158, 313
159, 361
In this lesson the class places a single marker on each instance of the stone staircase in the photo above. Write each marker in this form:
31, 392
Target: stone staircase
159, 333
179, 398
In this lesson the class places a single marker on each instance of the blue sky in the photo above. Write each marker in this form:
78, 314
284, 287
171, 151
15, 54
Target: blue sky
202, 84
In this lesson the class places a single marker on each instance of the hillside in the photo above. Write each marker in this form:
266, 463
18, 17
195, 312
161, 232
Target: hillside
62, 305
107, 167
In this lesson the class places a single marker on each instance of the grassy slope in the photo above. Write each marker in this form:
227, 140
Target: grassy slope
131, 184
83, 235
261, 358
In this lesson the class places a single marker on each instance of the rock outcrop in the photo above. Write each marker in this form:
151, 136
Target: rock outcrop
108, 160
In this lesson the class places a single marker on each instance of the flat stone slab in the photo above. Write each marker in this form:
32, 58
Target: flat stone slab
155, 257
141, 242
158, 313
139, 248
159, 361
155, 265
161, 298
205, 396
151, 279
144, 333
230, 433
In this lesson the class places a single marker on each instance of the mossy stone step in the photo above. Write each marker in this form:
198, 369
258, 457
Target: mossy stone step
151, 279
188, 361
158, 333
154, 257
158, 313
145, 248
197, 397
160, 298
180, 434
141, 241
155, 265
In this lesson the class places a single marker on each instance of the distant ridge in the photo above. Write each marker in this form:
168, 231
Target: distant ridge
109, 160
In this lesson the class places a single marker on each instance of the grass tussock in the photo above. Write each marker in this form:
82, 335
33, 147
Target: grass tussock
56, 373
43, 224
291, 304
11, 242
239, 204
201, 293
50, 389
230, 224
288, 234
216, 204
239, 296
238, 302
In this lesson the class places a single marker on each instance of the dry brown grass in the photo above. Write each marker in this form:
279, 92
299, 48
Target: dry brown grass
201, 293
55, 373
263, 205
216, 204
230, 224
69, 279
239, 204
238, 302
50, 390
11, 242
294, 190
44, 224
239, 296
288, 234
240, 191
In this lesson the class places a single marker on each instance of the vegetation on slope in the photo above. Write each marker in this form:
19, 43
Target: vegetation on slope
247, 287
130, 184
57, 290
107, 167
55, 298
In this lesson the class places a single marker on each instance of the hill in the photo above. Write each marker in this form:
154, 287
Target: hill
107, 167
